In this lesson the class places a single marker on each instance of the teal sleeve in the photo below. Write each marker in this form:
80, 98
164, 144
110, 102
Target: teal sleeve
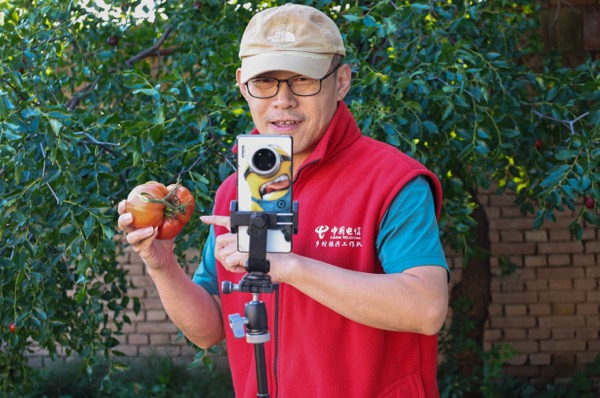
206, 273
409, 234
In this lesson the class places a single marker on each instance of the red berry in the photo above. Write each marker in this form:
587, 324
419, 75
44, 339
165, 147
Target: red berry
113, 41
12, 327
539, 144
590, 203
198, 5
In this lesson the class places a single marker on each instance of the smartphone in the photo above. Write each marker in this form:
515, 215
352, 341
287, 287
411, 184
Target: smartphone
264, 184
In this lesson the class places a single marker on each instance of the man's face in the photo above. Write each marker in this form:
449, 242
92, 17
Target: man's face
306, 119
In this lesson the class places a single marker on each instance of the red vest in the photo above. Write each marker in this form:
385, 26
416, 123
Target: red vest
343, 190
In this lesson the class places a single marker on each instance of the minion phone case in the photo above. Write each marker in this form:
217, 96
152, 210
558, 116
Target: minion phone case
264, 184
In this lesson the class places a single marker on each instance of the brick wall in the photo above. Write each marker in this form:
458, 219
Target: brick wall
548, 309
151, 332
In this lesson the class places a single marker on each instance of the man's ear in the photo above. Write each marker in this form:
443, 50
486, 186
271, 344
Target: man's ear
243, 88
344, 80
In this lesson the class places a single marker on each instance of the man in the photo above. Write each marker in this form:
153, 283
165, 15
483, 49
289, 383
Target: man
365, 291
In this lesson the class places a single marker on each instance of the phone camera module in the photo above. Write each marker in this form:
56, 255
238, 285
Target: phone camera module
265, 162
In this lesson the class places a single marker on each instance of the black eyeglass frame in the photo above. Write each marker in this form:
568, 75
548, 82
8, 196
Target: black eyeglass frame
279, 81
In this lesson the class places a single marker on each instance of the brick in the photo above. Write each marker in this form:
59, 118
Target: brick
536, 285
593, 272
156, 327
540, 309
562, 345
592, 247
511, 236
563, 359
495, 284
515, 334
512, 285
137, 339
519, 359
514, 322
563, 309
561, 273
593, 321
156, 315
560, 247
167, 350
594, 346
536, 236
538, 333
515, 248
556, 372
561, 297
494, 236
561, 284
585, 284
516, 298
560, 235
563, 333
582, 260
588, 309
160, 339
593, 296
127, 328
510, 224
515, 309
587, 333
540, 359
501, 200
559, 260
525, 347
556, 321
536, 261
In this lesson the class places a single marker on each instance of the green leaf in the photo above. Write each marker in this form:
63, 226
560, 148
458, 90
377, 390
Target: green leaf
556, 176
430, 127
56, 126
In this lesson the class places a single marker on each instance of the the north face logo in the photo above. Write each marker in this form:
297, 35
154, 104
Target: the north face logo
281, 37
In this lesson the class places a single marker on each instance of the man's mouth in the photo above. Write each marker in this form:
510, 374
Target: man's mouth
269, 188
285, 123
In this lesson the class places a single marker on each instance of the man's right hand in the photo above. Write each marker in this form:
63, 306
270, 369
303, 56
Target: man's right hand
155, 253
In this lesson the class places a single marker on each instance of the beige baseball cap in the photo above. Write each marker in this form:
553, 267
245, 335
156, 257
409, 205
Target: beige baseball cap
294, 38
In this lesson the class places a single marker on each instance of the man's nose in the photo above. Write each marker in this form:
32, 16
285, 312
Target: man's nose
285, 97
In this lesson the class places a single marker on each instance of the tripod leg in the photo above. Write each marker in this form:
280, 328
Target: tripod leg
261, 371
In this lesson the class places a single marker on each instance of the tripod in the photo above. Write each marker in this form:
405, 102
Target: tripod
257, 281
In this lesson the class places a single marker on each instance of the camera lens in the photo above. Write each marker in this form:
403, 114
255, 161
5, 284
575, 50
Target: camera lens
265, 161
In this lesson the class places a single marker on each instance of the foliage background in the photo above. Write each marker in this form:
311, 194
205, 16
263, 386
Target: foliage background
95, 100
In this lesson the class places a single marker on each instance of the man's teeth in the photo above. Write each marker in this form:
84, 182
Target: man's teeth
286, 123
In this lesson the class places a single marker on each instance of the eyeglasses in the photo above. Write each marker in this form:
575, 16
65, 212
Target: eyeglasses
302, 86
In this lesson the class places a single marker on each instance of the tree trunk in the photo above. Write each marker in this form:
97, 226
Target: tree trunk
474, 287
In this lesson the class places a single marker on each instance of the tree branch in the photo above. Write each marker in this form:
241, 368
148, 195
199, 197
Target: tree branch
81, 94
568, 123
152, 49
